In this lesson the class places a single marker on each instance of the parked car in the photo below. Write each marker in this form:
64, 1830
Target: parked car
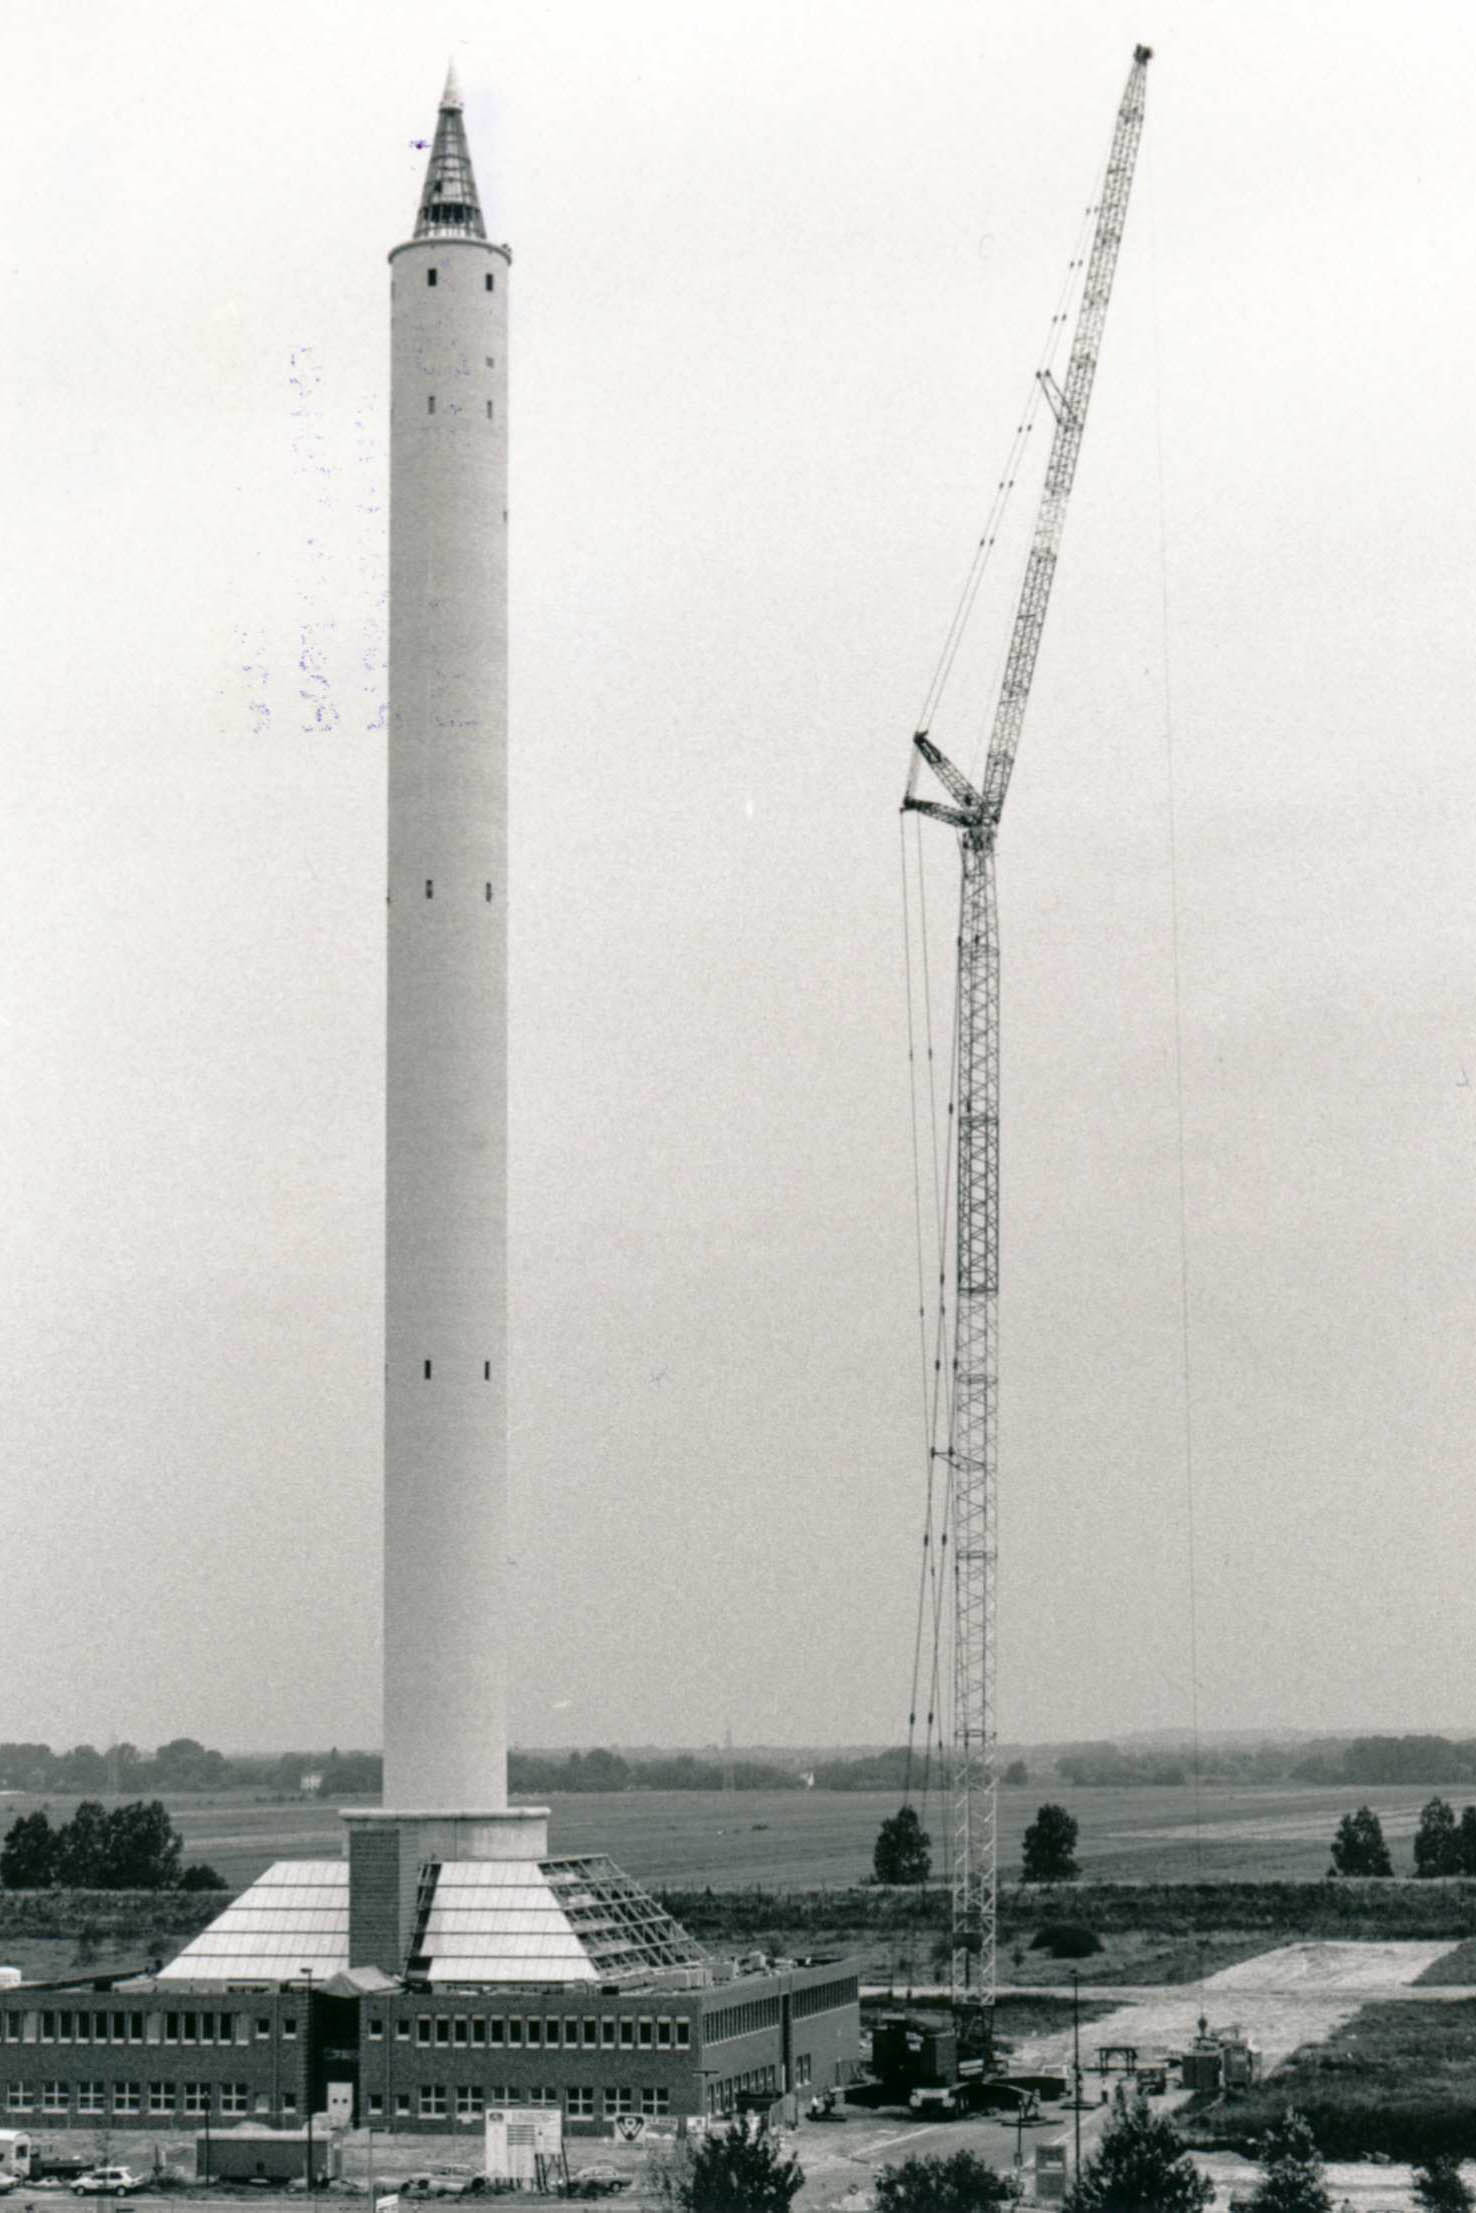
106, 2182
439, 2186
601, 2181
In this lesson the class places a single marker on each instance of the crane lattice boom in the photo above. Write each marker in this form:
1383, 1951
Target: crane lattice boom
971, 1450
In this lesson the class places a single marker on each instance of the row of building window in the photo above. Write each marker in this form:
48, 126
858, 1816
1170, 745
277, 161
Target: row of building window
741, 2020
581, 2101
430, 890
825, 1997
431, 277
194, 2099
641, 2032
430, 406
721, 2095
69, 2025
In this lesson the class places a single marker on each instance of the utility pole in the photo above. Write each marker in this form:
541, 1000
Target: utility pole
971, 1450
1076, 2067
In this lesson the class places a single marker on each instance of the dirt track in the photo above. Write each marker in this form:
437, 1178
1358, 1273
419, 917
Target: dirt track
1297, 1994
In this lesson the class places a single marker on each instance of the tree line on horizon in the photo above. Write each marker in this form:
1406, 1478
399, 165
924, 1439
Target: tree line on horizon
184, 1764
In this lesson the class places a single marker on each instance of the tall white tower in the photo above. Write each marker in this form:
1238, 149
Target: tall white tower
445, 1474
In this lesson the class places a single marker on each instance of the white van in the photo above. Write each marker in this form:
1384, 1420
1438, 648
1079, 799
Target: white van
15, 2153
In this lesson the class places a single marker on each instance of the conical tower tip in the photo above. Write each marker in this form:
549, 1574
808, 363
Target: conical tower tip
449, 207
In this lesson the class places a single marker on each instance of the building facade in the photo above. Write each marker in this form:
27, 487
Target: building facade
143, 2053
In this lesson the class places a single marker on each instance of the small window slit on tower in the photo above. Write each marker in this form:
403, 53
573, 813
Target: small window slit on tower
489, 893
430, 276
430, 887
430, 405
490, 285
486, 1371
489, 411
427, 1371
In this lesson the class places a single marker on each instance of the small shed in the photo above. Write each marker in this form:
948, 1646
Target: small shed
251, 2154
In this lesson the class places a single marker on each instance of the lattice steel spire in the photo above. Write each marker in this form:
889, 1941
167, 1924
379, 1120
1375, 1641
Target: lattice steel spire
449, 207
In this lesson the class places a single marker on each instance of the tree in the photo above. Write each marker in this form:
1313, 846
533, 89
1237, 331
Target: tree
1437, 1844
741, 2172
1050, 1847
904, 1850
962, 2183
28, 1855
1140, 2167
1359, 1847
143, 1848
1292, 2181
1440, 2186
82, 1848
1466, 1840
1017, 1772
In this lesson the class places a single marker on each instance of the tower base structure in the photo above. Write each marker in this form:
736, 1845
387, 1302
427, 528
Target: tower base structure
396, 1862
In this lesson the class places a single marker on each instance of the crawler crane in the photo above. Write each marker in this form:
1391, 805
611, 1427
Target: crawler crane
970, 1450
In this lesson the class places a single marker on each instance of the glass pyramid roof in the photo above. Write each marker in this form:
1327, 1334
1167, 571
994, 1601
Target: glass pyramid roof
480, 1921
295, 1916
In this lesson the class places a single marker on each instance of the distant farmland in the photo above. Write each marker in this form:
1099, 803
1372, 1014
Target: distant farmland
809, 1839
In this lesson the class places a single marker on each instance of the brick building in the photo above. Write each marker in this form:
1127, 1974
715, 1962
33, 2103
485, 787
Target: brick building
147, 2053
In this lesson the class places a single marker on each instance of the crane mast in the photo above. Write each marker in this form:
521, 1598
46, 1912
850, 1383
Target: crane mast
971, 1450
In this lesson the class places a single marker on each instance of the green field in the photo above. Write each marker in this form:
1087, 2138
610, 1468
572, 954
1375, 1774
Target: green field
808, 1839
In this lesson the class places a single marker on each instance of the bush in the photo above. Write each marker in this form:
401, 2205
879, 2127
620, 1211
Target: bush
1065, 1940
962, 2183
1440, 2187
741, 2172
201, 1877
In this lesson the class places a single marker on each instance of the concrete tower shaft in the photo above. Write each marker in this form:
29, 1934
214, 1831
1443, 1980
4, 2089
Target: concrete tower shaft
445, 1731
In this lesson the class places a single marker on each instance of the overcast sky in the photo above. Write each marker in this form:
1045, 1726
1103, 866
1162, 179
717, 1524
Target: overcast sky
781, 275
